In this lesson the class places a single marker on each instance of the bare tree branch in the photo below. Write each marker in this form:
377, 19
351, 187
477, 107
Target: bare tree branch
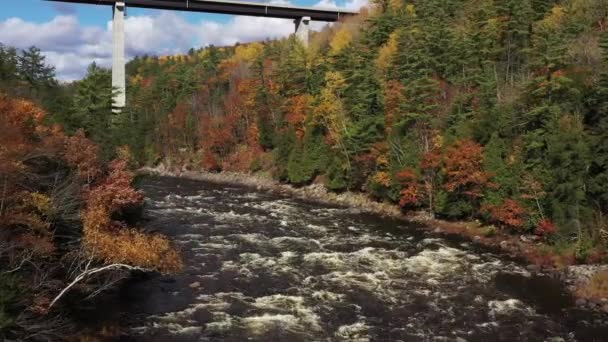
89, 272
26, 258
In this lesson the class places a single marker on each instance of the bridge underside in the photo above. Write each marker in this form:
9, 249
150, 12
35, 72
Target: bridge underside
229, 7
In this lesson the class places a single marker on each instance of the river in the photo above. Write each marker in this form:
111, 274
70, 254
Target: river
261, 267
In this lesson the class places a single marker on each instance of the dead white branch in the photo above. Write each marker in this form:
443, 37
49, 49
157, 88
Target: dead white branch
89, 272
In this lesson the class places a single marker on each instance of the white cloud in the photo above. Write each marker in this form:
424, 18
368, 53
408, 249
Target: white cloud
348, 4
71, 46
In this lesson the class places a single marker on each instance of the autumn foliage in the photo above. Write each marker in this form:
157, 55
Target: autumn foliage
25, 214
83, 155
409, 191
19, 120
297, 109
509, 214
112, 240
464, 169
473, 125
46, 178
545, 227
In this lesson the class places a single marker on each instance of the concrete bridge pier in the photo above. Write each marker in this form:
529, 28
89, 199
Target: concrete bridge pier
118, 57
302, 29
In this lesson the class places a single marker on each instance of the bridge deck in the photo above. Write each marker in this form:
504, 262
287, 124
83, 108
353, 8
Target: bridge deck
230, 7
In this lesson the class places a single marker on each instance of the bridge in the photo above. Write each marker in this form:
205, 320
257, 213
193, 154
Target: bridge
301, 16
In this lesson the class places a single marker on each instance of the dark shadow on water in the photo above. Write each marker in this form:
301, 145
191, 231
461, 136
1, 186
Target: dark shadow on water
545, 293
548, 296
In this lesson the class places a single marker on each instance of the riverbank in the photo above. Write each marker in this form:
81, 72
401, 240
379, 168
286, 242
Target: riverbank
587, 283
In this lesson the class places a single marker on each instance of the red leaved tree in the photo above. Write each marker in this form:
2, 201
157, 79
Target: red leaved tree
409, 188
464, 170
509, 214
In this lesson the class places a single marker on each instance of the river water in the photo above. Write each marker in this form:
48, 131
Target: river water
260, 267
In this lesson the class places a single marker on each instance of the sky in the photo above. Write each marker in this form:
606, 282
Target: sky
72, 36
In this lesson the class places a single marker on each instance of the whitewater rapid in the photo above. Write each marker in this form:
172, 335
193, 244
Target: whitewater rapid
260, 267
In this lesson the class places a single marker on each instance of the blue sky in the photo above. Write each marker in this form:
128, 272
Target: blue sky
72, 36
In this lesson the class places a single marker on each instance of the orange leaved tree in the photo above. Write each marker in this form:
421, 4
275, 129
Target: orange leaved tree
465, 178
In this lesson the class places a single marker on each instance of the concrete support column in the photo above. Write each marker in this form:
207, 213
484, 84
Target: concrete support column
118, 57
302, 29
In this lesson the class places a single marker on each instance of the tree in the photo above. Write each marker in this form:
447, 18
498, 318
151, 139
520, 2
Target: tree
309, 158
549, 47
331, 114
430, 165
504, 164
464, 171
9, 74
33, 69
508, 214
465, 179
515, 26
478, 101
598, 185
568, 157
111, 240
92, 108
409, 191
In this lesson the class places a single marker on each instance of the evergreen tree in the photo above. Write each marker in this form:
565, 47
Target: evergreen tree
92, 108
568, 158
504, 173
292, 73
518, 16
413, 68
33, 69
286, 143
598, 124
8, 68
308, 159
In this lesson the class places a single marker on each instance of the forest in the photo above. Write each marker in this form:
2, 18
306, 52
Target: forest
484, 110
488, 110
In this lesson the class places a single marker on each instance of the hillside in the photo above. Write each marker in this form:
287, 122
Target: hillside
469, 109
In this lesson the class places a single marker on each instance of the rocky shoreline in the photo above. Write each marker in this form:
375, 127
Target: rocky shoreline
575, 277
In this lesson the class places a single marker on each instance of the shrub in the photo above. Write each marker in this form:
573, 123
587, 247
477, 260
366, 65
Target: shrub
545, 228
337, 175
490, 231
379, 184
